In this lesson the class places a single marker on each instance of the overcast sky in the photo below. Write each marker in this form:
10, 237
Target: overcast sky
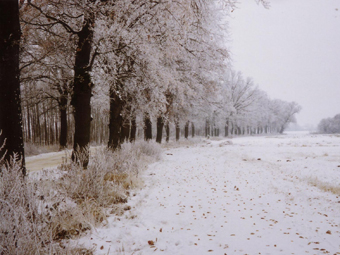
292, 51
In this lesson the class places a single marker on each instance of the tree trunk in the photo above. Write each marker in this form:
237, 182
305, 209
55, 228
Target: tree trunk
63, 123
160, 125
147, 127
167, 131
116, 106
125, 132
281, 129
29, 137
192, 130
133, 129
81, 97
46, 141
10, 101
207, 131
226, 129
177, 130
186, 130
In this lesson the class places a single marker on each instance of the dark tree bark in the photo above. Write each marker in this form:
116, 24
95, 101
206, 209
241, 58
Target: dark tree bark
160, 125
63, 122
82, 92
226, 129
207, 129
37, 126
177, 130
46, 141
192, 129
186, 130
10, 101
281, 129
167, 131
29, 132
62, 104
116, 120
147, 127
133, 129
125, 132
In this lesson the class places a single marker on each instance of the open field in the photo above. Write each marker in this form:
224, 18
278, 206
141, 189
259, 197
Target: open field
247, 195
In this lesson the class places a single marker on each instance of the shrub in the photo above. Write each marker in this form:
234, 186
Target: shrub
46, 207
24, 229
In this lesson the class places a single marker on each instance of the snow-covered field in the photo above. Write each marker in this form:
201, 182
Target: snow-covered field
246, 195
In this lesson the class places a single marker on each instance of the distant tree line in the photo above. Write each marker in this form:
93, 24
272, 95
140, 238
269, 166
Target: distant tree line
330, 125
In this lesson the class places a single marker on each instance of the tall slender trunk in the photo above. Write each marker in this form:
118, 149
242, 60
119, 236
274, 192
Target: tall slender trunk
116, 106
186, 130
192, 130
37, 124
82, 92
133, 129
167, 131
10, 101
177, 130
125, 132
46, 141
63, 122
160, 125
226, 129
207, 131
147, 127
29, 137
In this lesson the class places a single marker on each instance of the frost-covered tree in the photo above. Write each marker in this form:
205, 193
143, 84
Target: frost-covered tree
239, 101
157, 56
330, 125
78, 19
284, 113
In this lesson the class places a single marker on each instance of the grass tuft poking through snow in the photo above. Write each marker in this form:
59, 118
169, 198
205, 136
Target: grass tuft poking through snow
24, 229
41, 212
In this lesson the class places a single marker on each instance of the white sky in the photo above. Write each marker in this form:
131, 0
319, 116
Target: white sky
292, 51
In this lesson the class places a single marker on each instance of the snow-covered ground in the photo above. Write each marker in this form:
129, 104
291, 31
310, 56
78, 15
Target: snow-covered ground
51, 160
246, 195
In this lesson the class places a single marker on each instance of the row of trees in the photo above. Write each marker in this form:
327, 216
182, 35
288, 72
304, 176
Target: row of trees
330, 125
144, 57
123, 65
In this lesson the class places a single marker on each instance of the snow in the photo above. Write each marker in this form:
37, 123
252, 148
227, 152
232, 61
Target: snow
246, 195
51, 160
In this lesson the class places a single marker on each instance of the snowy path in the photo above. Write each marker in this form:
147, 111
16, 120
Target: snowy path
50, 160
46, 160
251, 197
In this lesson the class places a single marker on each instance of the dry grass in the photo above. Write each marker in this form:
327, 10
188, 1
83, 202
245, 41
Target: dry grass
24, 228
38, 214
324, 186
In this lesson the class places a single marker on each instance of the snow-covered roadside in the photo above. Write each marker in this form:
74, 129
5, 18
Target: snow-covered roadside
254, 196
50, 160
